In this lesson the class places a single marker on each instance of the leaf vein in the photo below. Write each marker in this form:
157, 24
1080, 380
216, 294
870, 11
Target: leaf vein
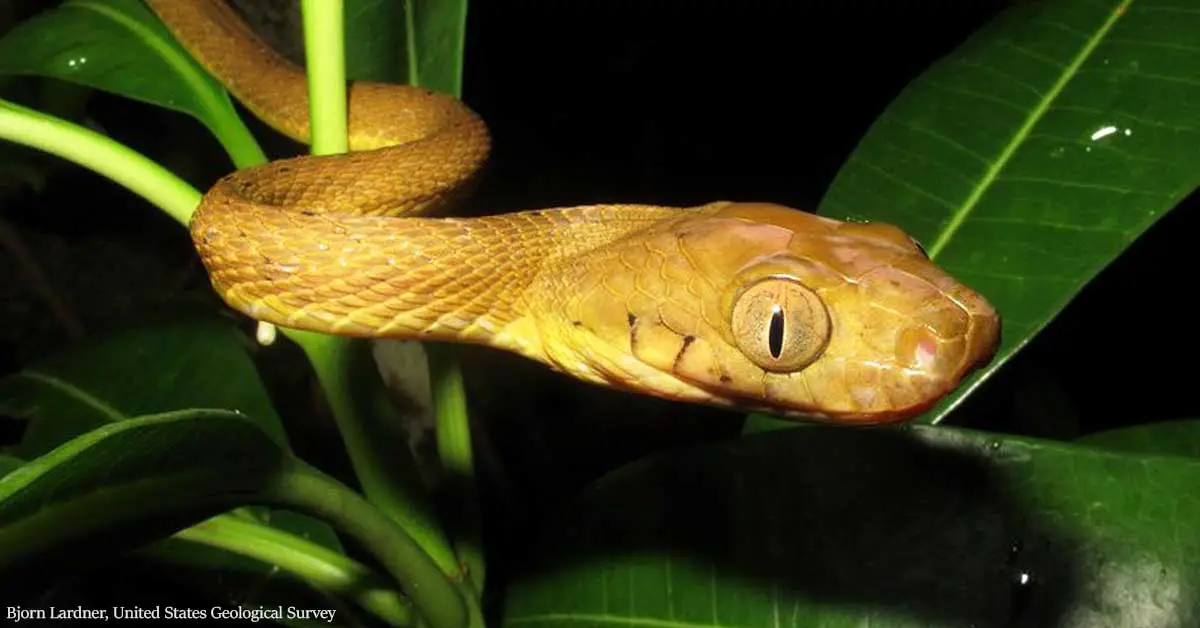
1085, 185
974, 94
76, 393
938, 136
1037, 56
1010, 150
1036, 91
908, 184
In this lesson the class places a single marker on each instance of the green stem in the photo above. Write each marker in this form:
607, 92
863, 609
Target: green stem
324, 45
230, 130
449, 396
347, 373
344, 367
304, 488
236, 139
455, 454
312, 563
100, 154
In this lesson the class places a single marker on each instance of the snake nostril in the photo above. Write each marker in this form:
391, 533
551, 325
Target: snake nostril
926, 353
917, 348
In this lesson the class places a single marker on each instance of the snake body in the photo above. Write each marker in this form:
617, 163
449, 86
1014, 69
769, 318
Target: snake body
753, 306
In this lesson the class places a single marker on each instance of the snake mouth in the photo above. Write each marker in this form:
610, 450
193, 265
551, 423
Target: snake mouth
984, 338
984, 330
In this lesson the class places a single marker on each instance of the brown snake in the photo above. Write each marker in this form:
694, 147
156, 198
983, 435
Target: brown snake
746, 305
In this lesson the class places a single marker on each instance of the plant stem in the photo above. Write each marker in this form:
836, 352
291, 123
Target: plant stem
445, 376
455, 454
300, 486
315, 564
324, 45
102, 155
389, 478
235, 138
345, 367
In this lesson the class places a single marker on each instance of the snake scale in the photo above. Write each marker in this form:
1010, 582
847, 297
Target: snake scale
746, 305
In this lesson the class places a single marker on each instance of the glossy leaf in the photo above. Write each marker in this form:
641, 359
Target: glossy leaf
214, 554
159, 472
375, 41
125, 484
188, 364
119, 46
438, 35
822, 527
1030, 157
185, 364
8, 464
306, 528
1171, 438
229, 558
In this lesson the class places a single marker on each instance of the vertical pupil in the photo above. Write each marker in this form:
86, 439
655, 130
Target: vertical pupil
775, 332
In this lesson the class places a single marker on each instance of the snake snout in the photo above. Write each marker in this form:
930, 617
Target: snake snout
984, 332
913, 333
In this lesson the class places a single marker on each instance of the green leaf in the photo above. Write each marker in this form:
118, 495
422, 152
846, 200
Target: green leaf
372, 430
119, 46
149, 370
1029, 158
160, 471
305, 528
234, 558
1171, 438
183, 364
133, 482
375, 45
8, 464
437, 30
822, 527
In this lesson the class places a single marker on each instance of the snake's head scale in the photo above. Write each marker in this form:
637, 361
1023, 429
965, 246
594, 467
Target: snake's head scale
763, 307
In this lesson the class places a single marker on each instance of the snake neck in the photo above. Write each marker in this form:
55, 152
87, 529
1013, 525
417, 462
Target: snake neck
449, 279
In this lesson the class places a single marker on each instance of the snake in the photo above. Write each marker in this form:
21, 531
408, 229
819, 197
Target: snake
751, 306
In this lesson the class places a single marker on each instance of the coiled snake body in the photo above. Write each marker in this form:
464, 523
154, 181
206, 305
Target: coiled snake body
748, 305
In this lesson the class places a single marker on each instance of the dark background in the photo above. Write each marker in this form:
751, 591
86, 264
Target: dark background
622, 101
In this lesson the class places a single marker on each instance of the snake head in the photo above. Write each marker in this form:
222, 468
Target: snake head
763, 307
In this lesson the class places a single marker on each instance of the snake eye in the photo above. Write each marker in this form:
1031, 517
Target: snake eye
780, 324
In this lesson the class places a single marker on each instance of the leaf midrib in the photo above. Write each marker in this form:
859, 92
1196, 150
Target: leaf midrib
75, 392
959, 217
202, 90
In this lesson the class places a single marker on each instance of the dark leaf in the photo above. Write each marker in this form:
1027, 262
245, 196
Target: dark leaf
824, 526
